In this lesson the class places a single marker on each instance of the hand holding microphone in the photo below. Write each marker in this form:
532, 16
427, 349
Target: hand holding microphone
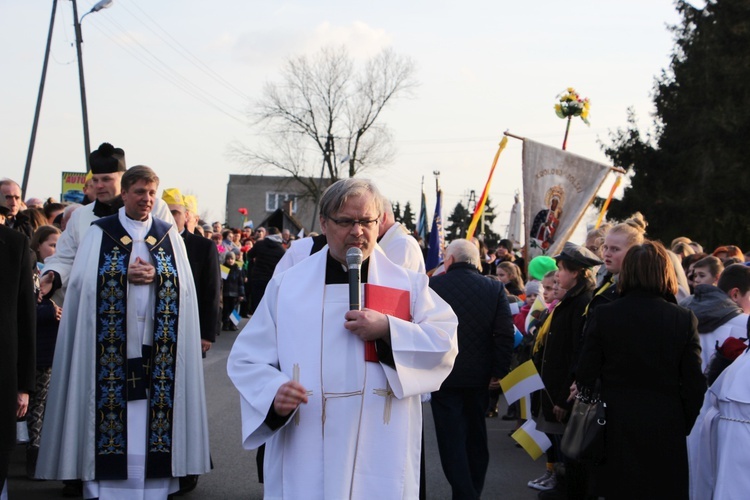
367, 324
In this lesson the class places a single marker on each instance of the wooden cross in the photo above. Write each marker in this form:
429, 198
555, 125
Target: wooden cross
133, 379
387, 393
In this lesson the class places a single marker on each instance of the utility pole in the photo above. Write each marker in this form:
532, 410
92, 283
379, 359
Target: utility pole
32, 141
84, 110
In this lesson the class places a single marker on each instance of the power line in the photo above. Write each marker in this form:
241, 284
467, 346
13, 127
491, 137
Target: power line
162, 69
185, 52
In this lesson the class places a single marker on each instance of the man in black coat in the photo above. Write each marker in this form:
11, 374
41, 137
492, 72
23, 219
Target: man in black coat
204, 264
485, 345
10, 197
265, 254
17, 356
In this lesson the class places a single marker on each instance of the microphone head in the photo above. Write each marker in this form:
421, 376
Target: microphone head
354, 257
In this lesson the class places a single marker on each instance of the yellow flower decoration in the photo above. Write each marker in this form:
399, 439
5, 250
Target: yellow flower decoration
571, 104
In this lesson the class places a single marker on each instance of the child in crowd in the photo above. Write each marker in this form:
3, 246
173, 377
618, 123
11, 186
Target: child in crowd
533, 289
707, 271
48, 313
233, 291
510, 275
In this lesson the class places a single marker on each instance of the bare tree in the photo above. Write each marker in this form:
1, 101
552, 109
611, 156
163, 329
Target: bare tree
324, 114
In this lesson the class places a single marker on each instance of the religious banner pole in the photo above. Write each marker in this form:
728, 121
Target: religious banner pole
479, 209
609, 199
571, 104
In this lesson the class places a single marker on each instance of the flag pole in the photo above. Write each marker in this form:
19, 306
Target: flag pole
606, 203
479, 209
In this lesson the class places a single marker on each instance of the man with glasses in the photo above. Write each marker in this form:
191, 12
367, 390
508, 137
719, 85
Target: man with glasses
338, 423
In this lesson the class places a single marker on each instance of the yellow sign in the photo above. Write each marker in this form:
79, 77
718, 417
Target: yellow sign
72, 186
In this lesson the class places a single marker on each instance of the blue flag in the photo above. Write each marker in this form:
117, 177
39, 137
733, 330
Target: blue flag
435, 250
422, 221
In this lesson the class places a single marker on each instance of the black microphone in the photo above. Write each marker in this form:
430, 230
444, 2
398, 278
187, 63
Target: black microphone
354, 263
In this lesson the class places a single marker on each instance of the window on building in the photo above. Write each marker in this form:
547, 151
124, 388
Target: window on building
275, 200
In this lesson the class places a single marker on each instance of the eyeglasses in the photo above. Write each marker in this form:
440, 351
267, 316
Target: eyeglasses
349, 223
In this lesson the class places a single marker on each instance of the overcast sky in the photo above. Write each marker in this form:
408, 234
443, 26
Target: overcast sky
172, 83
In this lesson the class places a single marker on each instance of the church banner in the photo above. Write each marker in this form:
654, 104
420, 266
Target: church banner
558, 186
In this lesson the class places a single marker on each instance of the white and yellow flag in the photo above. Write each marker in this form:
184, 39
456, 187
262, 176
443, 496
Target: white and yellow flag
533, 441
521, 382
558, 186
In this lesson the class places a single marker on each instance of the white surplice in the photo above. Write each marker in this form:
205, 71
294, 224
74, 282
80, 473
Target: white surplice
718, 443
359, 435
78, 225
68, 438
402, 248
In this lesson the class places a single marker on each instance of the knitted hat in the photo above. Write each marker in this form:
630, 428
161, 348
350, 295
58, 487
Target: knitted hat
533, 287
540, 266
107, 159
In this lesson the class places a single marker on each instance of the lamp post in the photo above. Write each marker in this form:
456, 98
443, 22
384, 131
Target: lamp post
103, 4
38, 109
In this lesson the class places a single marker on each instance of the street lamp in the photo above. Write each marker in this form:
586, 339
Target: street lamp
103, 4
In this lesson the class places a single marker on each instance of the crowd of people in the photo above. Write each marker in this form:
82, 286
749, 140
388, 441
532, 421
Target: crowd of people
113, 302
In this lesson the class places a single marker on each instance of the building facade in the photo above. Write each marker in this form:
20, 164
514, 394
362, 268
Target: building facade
262, 195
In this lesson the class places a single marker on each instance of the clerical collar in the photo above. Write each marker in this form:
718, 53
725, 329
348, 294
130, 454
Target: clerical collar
105, 209
336, 272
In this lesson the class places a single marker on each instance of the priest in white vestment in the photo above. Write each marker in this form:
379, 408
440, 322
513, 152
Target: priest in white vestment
107, 167
126, 410
335, 425
718, 444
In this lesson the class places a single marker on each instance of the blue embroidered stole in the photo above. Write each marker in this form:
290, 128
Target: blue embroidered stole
111, 364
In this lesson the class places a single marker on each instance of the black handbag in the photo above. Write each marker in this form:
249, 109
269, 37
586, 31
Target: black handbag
583, 438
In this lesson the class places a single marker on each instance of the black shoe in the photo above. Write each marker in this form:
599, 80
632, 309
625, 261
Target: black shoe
509, 417
31, 456
491, 414
72, 488
187, 484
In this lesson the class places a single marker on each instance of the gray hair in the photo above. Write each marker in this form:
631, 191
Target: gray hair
340, 191
463, 250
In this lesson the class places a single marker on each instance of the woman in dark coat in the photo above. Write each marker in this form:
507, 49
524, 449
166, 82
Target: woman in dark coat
644, 349
555, 350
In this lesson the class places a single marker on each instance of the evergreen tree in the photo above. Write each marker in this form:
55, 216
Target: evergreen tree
692, 169
491, 238
408, 218
459, 223
397, 212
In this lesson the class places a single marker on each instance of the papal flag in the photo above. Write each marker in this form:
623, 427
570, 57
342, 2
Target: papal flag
224, 271
521, 382
558, 187
533, 441
235, 317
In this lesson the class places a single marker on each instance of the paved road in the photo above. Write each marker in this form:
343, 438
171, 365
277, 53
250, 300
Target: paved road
235, 476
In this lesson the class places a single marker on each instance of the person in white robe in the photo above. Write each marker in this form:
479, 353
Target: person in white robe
168, 425
335, 425
718, 443
107, 167
395, 240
